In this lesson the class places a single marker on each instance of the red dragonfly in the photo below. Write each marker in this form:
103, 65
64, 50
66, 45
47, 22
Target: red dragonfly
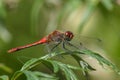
56, 36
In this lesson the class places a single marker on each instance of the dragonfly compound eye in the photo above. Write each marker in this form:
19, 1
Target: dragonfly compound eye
68, 35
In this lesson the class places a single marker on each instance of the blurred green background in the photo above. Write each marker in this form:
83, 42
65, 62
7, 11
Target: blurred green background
26, 21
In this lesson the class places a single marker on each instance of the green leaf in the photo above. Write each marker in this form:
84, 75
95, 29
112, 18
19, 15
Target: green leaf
43, 74
29, 64
35, 61
4, 77
38, 76
78, 59
16, 75
100, 59
70, 75
83, 64
30, 75
73, 67
51, 64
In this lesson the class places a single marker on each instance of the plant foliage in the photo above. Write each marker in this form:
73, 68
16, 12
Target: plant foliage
57, 67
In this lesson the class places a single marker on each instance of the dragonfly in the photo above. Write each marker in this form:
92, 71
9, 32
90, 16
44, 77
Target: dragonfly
56, 36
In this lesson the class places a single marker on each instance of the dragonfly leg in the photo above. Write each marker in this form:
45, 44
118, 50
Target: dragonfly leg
65, 47
71, 45
50, 50
55, 46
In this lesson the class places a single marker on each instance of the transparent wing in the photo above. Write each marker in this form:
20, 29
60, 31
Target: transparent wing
86, 41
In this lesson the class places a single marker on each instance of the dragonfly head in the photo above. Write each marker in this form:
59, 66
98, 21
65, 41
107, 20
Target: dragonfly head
68, 35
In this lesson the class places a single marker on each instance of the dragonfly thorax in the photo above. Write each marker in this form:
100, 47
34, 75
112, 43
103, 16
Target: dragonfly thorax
68, 35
